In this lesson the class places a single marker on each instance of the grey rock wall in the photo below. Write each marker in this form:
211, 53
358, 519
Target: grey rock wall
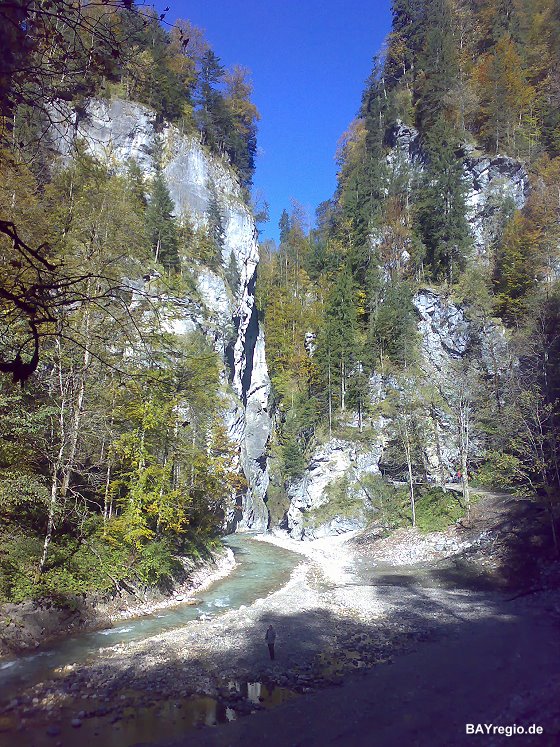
119, 131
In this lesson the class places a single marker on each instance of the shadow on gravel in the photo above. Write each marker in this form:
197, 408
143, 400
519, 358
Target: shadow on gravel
490, 651
150, 701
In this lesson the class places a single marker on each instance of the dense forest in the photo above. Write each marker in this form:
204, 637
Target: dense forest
114, 457
470, 78
114, 454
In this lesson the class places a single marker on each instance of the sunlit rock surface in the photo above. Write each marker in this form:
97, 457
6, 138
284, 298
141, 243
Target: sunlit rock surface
331, 462
120, 131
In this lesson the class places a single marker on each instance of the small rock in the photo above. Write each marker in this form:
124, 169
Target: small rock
76, 723
53, 731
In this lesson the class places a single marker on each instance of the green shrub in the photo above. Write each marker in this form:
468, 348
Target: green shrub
437, 509
157, 564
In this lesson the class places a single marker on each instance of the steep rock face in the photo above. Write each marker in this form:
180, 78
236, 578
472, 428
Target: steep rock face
330, 463
119, 131
491, 182
444, 329
447, 336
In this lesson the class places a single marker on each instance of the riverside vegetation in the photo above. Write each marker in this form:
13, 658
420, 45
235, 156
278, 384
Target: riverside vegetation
114, 455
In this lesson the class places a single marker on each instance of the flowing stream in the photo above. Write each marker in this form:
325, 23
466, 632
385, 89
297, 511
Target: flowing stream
261, 568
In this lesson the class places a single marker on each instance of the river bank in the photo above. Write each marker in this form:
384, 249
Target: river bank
340, 615
30, 625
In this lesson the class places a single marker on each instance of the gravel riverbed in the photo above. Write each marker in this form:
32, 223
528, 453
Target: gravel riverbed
338, 613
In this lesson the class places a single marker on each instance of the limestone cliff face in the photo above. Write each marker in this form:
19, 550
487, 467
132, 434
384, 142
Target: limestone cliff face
118, 131
448, 336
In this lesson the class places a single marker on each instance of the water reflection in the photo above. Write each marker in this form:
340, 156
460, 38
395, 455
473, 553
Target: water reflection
143, 724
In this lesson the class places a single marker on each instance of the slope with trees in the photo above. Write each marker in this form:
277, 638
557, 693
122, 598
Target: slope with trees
115, 459
462, 81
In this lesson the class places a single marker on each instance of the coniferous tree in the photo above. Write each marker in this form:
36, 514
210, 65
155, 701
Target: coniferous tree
161, 224
441, 207
439, 68
337, 345
211, 113
284, 225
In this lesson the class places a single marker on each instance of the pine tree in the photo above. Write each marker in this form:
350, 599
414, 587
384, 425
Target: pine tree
211, 114
161, 224
337, 344
392, 331
441, 207
439, 66
284, 225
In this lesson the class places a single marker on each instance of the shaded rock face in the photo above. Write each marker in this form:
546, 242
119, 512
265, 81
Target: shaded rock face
448, 334
449, 337
119, 131
444, 329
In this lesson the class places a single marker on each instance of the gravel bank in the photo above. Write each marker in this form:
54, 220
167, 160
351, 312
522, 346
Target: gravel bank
337, 614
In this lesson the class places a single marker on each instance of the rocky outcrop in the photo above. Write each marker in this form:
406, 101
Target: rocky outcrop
444, 329
454, 347
448, 334
120, 131
331, 497
493, 183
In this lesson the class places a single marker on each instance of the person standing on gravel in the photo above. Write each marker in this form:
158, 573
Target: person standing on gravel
270, 637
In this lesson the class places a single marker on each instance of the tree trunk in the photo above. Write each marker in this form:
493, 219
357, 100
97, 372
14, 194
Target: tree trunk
408, 452
342, 386
441, 466
53, 503
464, 427
330, 398
76, 420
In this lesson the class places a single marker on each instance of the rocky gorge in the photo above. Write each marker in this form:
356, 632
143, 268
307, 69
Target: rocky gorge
119, 132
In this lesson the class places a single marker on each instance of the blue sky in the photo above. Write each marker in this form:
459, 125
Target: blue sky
309, 61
